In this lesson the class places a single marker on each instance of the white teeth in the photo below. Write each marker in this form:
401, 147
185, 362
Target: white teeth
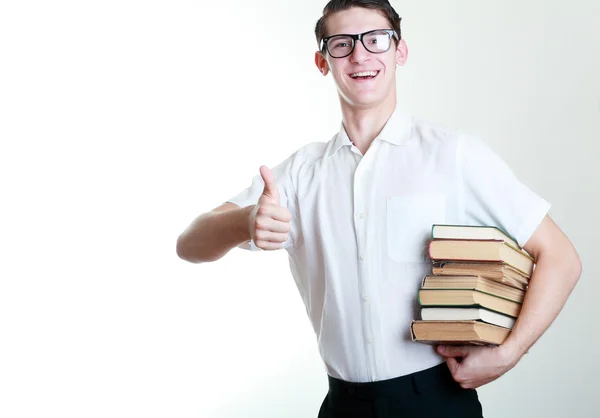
364, 74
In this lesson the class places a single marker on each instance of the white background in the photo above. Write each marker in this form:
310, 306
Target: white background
120, 121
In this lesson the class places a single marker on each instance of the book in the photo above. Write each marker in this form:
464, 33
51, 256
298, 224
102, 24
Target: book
480, 250
499, 272
465, 298
475, 232
478, 232
463, 314
458, 332
482, 284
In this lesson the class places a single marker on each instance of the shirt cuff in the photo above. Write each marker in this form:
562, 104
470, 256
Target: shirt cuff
531, 222
249, 245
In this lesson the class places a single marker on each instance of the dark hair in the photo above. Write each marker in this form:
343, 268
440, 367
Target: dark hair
383, 6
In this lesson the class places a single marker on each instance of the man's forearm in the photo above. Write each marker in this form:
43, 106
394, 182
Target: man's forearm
214, 234
551, 283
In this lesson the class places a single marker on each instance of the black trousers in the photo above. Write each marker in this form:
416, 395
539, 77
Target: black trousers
431, 393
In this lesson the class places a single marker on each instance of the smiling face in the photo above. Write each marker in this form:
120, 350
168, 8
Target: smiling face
363, 79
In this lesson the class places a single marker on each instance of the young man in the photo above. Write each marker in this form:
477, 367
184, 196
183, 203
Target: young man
354, 215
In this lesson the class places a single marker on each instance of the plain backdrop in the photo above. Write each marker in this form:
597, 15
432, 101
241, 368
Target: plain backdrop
121, 121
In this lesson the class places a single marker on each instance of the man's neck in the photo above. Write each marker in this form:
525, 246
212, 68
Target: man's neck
363, 125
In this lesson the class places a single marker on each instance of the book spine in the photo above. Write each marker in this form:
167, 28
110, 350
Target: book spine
412, 331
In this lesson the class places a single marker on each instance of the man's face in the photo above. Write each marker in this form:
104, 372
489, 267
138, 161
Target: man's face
362, 91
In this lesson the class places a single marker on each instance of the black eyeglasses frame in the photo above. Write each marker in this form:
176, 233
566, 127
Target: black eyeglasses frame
357, 37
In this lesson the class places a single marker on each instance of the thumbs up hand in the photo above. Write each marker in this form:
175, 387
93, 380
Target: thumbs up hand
268, 222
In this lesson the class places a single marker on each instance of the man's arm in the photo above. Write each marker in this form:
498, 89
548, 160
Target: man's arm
558, 269
213, 234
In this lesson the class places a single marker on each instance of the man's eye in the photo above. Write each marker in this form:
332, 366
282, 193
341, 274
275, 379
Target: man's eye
341, 45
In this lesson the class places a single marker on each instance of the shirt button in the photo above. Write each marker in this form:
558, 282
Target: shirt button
362, 257
365, 298
370, 340
362, 215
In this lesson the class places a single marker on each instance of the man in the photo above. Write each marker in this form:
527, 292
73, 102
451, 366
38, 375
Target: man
354, 215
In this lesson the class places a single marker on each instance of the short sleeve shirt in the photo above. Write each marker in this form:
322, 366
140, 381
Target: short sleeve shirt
361, 225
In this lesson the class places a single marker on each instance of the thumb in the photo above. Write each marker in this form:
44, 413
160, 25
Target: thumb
453, 366
270, 189
453, 350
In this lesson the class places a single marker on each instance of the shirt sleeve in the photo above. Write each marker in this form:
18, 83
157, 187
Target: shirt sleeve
494, 196
283, 174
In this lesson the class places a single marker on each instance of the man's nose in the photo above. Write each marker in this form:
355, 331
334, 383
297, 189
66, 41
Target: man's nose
360, 54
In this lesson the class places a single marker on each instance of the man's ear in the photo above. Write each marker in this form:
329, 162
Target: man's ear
321, 63
401, 52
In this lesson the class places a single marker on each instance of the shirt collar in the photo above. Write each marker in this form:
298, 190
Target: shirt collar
396, 131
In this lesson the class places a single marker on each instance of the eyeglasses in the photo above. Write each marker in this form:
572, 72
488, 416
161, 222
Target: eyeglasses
376, 41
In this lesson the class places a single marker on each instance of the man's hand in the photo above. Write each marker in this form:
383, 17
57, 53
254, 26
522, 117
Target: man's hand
268, 222
476, 365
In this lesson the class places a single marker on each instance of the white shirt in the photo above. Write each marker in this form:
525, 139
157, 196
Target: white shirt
361, 225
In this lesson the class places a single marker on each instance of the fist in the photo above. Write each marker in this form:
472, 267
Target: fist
269, 223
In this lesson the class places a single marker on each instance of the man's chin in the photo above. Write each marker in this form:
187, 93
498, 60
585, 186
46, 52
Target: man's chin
363, 100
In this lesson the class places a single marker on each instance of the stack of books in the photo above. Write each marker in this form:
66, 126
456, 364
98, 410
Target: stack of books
474, 294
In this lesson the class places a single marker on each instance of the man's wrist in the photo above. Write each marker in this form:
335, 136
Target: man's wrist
244, 226
511, 351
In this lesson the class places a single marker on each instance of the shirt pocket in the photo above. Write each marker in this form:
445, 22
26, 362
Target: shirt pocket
409, 222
